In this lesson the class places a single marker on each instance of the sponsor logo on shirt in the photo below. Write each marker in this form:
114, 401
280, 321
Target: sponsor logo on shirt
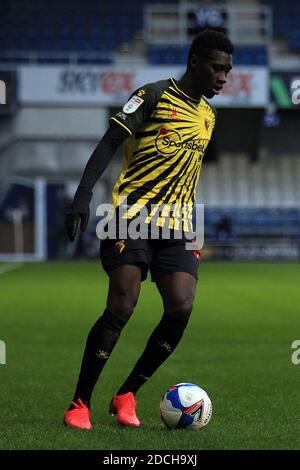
168, 142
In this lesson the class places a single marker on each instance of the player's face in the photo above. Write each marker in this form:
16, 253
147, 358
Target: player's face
210, 75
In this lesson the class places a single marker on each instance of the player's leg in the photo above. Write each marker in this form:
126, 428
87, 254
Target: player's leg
177, 291
124, 288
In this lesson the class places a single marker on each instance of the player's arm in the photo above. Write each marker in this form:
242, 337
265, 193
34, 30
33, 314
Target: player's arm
123, 124
79, 211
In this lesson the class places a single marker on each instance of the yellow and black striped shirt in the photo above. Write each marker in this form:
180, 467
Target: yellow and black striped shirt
169, 132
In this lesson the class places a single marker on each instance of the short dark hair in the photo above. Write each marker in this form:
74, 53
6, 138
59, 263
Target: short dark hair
209, 40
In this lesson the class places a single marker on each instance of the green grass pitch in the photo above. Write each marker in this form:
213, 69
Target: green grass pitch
237, 347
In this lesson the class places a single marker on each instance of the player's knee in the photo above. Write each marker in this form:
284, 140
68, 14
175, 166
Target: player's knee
124, 310
182, 308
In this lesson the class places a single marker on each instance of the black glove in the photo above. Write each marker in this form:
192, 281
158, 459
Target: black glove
78, 214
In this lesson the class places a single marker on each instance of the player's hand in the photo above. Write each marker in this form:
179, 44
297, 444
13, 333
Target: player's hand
79, 213
73, 220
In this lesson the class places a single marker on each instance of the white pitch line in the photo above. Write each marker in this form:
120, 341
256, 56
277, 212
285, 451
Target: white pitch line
9, 267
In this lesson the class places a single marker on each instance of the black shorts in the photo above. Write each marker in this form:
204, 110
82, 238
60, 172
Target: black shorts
161, 256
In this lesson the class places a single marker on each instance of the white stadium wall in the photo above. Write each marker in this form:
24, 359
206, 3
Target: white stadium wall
50, 121
53, 142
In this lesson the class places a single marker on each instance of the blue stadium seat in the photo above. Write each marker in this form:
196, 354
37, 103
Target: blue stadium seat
249, 222
286, 20
68, 25
243, 55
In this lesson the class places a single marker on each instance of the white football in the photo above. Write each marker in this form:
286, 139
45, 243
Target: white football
185, 405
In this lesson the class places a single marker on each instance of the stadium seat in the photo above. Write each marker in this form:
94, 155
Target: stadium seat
286, 20
33, 26
170, 54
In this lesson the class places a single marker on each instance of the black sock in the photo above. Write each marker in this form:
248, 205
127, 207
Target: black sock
161, 344
100, 343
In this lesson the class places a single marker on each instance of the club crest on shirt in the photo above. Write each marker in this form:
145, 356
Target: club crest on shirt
173, 114
133, 104
207, 124
120, 245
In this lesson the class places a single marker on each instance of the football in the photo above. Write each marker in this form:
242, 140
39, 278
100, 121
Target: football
185, 405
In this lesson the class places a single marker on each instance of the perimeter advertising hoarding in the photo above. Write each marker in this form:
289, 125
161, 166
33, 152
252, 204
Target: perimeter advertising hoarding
111, 86
285, 89
8, 91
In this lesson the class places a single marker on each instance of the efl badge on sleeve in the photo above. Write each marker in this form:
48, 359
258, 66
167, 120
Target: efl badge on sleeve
133, 104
